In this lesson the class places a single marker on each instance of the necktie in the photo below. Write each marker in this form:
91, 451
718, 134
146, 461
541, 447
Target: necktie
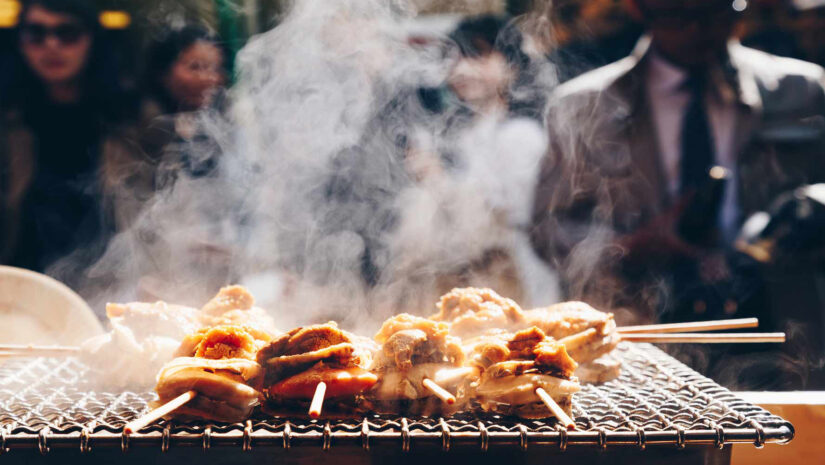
697, 139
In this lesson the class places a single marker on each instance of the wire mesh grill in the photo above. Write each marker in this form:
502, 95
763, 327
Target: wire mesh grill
46, 403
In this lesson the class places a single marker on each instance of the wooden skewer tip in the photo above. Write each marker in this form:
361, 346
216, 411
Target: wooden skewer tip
558, 412
574, 340
318, 400
138, 424
439, 391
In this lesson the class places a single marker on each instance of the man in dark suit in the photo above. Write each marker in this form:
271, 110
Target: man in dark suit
657, 159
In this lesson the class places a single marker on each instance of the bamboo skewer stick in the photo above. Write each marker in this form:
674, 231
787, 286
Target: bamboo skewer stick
558, 412
23, 350
23, 354
439, 391
138, 424
691, 326
318, 400
574, 340
705, 338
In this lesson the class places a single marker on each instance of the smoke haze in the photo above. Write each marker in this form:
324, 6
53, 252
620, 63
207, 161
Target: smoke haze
337, 193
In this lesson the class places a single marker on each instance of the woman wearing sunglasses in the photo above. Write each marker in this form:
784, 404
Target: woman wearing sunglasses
65, 151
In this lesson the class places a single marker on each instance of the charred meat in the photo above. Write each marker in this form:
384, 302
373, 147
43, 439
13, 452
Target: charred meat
414, 349
513, 366
297, 361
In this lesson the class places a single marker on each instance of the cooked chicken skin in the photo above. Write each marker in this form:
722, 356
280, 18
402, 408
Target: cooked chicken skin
515, 365
229, 298
413, 349
224, 341
529, 349
471, 311
409, 340
297, 361
569, 318
157, 319
227, 388
341, 382
234, 305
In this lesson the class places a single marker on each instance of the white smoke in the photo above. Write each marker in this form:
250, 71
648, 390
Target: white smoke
327, 153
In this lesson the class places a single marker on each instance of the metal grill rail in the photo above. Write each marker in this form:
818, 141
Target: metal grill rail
657, 401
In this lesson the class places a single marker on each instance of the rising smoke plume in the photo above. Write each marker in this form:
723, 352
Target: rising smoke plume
319, 201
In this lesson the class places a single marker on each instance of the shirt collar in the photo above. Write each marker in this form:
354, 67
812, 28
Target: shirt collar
663, 76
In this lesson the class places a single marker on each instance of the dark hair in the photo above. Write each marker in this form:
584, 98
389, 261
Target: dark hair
101, 82
480, 35
162, 55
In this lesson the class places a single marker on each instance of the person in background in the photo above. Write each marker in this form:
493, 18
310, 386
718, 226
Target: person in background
493, 73
185, 73
657, 160
69, 168
183, 80
484, 160
588, 34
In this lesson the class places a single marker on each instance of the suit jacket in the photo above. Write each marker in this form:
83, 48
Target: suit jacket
603, 178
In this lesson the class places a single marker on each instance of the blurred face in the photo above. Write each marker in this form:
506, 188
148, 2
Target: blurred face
689, 32
55, 46
480, 79
195, 75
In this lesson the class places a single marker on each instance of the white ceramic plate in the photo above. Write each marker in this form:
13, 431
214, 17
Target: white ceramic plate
37, 309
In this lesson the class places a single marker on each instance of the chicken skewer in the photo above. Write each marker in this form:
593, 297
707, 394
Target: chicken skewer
590, 335
214, 377
144, 336
527, 374
314, 363
420, 368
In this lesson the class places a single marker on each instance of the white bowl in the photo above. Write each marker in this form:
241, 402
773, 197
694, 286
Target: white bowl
37, 309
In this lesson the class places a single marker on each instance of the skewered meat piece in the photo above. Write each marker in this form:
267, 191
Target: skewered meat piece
224, 341
235, 305
297, 361
570, 318
477, 312
143, 336
227, 388
514, 365
472, 311
414, 349
157, 319
221, 369
601, 370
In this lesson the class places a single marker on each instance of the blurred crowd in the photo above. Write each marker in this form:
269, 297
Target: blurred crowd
633, 154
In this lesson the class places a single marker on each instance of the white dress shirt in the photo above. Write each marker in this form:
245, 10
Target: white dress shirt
668, 102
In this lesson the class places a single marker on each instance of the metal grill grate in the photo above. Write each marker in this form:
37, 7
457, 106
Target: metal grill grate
45, 403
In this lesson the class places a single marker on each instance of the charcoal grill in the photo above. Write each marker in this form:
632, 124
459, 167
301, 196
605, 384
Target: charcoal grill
656, 408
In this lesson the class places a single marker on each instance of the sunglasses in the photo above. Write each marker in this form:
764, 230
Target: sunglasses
66, 34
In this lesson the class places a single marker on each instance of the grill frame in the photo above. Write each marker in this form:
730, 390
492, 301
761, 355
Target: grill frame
657, 402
